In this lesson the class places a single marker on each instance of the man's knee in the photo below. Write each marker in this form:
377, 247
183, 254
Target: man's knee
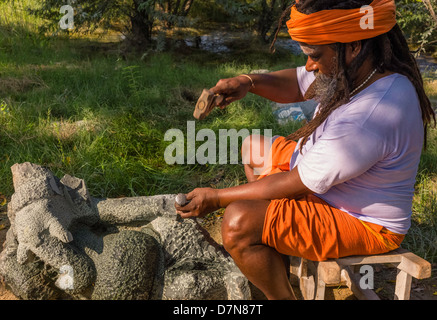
234, 230
253, 150
231, 224
243, 223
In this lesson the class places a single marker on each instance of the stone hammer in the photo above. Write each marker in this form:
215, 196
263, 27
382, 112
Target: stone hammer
207, 101
181, 199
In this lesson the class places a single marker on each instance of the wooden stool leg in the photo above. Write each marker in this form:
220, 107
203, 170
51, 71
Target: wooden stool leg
353, 283
306, 271
320, 290
306, 280
403, 286
315, 276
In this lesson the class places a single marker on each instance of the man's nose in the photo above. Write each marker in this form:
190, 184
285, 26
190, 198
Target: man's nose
311, 65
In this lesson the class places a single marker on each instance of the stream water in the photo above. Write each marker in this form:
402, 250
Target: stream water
217, 42
427, 65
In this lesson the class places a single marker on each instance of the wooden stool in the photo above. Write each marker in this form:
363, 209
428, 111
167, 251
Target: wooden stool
315, 276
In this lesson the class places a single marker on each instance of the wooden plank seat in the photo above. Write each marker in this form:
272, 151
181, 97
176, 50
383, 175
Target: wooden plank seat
315, 276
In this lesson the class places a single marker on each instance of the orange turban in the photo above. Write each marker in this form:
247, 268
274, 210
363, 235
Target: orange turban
342, 25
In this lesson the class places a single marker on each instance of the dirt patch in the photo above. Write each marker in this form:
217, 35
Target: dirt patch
18, 85
67, 130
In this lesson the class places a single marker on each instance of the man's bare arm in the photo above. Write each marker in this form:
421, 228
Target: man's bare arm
278, 86
277, 186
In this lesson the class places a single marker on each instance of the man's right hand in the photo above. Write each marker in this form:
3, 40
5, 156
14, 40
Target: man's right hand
232, 89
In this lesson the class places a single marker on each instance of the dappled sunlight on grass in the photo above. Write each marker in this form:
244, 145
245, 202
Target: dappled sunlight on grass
103, 119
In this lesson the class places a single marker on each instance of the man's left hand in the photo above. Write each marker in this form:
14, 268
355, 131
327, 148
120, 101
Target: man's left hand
201, 202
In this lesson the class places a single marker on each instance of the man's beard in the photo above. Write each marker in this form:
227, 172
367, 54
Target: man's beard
326, 89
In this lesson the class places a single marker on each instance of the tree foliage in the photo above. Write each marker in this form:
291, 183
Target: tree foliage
135, 18
140, 19
269, 14
418, 21
260, 16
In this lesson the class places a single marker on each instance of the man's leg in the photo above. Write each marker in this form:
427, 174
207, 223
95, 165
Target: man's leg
242, 233
254, 152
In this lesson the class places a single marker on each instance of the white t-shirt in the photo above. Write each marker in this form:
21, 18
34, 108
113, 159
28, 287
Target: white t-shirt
364, 158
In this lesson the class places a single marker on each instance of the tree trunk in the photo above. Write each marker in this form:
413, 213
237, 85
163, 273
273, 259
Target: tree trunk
141, 26
265, 19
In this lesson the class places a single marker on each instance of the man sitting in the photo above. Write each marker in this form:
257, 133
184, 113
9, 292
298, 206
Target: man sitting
343, 184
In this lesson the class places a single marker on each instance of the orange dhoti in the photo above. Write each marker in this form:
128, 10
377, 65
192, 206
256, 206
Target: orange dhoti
312, 229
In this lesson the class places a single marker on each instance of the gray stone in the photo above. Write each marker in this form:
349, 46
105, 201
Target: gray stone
126, 268
63, 242
29, 281
195, 265
184, 285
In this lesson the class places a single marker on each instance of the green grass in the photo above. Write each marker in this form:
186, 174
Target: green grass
99, 112
422, 236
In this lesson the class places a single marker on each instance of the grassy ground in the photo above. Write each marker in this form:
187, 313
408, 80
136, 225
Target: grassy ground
99, 112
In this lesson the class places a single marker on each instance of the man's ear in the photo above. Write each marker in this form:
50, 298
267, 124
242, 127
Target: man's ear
352, 51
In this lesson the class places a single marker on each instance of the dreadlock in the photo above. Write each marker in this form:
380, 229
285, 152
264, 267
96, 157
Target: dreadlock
389, 52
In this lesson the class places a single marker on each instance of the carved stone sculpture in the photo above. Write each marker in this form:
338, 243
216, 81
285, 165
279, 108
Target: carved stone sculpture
63, 243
